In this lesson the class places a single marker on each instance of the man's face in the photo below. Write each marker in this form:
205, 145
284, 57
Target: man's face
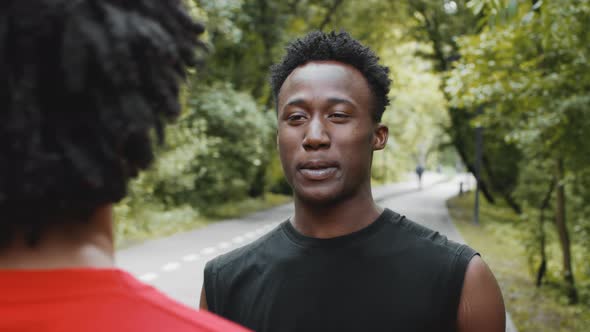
326, 132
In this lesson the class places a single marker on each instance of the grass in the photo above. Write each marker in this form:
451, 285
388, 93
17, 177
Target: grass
153, 221
247, 206
499, 239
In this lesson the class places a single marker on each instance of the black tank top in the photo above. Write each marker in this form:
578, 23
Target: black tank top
394, 275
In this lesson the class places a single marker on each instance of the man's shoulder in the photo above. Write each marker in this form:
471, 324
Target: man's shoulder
245, 263
245, 255
426, 238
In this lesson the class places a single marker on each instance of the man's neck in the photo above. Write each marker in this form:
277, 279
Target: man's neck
85, 245
335, 219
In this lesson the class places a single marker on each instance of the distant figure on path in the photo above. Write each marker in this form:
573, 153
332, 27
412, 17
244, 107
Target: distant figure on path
82, 86
341, 262
419, 172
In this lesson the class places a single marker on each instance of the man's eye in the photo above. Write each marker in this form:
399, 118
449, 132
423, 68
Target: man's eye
296, 117
339, 115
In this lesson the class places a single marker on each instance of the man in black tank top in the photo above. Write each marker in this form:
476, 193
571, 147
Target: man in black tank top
342, 263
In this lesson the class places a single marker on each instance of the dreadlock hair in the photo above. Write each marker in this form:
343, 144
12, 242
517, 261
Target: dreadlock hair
82, 85
341, 47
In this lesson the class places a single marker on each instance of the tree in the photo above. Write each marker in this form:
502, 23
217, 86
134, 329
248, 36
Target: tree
531, 69
441, 24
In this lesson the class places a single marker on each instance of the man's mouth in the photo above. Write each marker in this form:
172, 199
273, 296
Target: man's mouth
318, 170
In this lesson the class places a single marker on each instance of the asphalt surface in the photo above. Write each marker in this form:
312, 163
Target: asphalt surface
175, 264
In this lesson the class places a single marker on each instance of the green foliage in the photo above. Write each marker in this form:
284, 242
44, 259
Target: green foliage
533, 74
529, 72
212, 153
501, 238
417, 113
212, 156
437, 24
494, 11
247, 37
249, 205
219, 145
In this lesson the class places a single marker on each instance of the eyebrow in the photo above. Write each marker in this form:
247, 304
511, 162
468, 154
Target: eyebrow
336, 100
295, 102
331, 101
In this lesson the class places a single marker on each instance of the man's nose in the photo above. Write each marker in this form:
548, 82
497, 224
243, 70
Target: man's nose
316, 136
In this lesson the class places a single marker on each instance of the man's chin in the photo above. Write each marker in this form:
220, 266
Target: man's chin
318, 196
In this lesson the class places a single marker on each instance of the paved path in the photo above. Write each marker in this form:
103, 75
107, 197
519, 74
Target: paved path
175, 264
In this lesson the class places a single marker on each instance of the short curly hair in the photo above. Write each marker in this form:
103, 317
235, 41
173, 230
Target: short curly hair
83, 85
341, 47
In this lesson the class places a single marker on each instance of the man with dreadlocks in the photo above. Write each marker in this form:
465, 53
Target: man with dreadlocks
82, 85
342, 263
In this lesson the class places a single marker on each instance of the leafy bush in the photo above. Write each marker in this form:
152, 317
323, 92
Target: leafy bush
213, 154
239, 137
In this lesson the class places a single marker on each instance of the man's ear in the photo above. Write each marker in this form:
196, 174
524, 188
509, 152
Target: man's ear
380, 136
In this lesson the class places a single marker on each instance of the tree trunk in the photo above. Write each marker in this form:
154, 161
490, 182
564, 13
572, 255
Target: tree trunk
506, 194
560, 221
482, 184
543, 266
544, 205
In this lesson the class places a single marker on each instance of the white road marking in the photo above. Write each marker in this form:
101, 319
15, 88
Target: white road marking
148, 277
168, 267
208, 251
191, 257
171, 266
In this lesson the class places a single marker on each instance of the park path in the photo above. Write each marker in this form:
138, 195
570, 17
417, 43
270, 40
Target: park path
175, 264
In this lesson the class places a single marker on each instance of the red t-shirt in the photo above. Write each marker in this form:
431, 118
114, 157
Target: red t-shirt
94, 300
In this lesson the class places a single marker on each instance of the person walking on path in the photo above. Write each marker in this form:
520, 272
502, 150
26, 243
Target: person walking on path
83, 84
419, 172
341, 262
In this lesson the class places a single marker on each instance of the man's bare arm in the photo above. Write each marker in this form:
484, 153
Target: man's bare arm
481, 307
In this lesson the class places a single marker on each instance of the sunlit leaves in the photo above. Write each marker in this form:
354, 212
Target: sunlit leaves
497, 12
530, 71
